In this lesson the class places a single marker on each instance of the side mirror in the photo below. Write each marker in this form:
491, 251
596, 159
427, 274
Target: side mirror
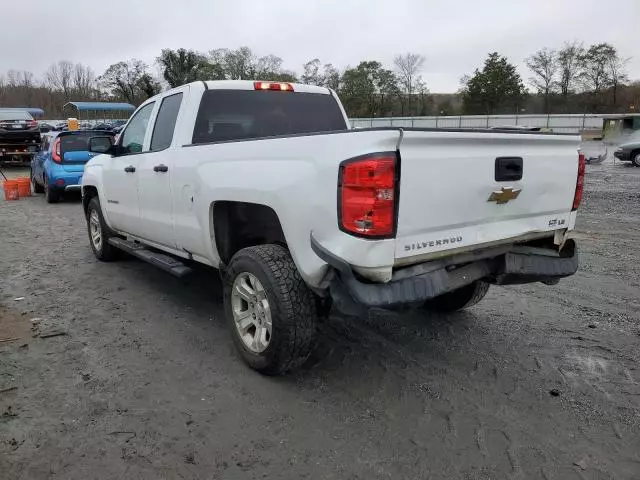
101, 145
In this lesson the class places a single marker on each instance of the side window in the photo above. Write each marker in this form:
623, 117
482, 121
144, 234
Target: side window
166, 122
133, 135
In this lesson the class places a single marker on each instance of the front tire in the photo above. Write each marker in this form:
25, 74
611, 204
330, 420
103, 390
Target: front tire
271, 313
636, 159
35, 186
459, 299
99, 233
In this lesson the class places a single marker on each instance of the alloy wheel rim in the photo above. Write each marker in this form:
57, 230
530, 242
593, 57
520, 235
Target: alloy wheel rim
95, 230
251, 312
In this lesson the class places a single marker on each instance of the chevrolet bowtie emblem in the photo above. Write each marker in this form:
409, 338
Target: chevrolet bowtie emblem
504, 195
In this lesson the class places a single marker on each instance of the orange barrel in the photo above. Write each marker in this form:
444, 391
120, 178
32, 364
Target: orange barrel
24, 186
10, 188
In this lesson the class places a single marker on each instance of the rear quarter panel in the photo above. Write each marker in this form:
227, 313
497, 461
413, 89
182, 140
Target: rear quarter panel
297, 177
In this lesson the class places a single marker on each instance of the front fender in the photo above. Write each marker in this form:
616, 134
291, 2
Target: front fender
93, 177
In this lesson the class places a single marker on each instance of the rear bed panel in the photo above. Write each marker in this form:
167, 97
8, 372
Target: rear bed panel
448, 177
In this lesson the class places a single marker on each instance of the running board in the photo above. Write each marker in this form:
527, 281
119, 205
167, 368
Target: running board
165, 262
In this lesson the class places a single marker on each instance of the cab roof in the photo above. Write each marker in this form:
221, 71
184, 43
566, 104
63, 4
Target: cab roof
250, 85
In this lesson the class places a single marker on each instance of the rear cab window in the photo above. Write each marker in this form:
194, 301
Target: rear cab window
247, 114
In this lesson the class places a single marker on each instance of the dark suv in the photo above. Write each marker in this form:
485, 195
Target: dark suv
19, 136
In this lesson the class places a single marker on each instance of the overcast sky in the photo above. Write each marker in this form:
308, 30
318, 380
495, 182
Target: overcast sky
454, 36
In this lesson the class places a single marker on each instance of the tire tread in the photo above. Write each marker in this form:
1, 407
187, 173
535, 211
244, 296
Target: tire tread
295, 307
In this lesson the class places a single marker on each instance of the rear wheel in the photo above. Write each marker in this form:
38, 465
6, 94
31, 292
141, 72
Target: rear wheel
635, 159
50, 193
459, 299
99, 233
271, 313
35, 186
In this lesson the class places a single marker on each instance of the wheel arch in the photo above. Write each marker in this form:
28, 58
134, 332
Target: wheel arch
88, 192
237, 225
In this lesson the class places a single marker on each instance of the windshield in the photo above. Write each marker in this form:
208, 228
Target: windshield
241, 114
15, 115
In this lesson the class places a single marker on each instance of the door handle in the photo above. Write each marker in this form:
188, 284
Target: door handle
130, 169
161, 168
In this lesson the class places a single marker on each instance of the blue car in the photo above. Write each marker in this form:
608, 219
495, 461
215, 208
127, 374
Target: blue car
58, 166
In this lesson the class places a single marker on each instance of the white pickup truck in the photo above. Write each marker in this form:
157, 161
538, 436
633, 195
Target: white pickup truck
267, 183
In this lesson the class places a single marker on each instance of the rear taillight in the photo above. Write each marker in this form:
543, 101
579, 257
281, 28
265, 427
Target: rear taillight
367, 195
577, 198
55, 155
32, 124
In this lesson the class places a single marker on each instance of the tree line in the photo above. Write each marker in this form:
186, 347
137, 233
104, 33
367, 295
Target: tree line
572, 79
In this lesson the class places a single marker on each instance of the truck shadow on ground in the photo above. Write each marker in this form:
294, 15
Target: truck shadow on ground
386, 341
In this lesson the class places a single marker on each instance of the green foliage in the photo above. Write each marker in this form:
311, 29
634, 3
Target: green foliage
366, 89
497, 88
148, 86
181, 66
128, 81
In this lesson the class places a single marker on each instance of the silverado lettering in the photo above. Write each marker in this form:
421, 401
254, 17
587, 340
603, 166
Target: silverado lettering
432, 243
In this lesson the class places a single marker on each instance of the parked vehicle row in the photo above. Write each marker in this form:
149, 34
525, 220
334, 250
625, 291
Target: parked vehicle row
19, 136
111, 125
266, 182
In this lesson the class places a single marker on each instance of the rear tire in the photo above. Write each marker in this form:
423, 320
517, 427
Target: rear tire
271, 313
51, 195
35, 186
99, 233
459, 299
635, 159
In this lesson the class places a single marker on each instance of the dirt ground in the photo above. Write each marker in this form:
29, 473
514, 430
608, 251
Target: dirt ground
123, 372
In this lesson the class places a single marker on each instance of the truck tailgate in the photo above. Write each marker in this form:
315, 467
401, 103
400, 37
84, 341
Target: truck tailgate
448, 178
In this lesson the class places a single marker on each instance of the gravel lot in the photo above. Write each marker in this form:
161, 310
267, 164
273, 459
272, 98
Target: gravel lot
534, 382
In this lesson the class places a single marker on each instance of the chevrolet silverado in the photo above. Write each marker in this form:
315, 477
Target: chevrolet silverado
266, 182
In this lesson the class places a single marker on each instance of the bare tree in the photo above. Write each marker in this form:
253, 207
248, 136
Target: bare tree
311, 73
84, 81
408, 67
59, 76
22, 84
314, 73
12, 79
544, 66
268, 67
569, 65
331, 77
3, 90
617, 75
595, 72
